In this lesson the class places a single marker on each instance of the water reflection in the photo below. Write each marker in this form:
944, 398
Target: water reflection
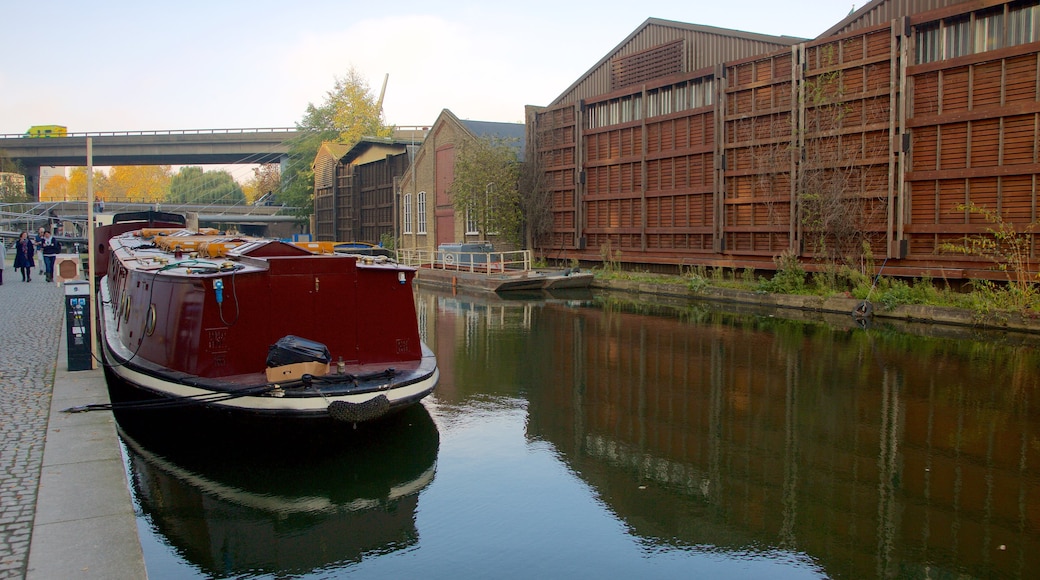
247, 501
867, 453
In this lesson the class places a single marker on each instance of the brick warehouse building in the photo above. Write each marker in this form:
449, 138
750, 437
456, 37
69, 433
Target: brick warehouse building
692, 145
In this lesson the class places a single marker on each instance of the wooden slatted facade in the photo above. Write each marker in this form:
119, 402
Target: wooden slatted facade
354, 189
975, 122
875, 137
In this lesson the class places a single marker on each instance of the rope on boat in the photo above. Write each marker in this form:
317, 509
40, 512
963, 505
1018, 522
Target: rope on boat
172, 402
369, 408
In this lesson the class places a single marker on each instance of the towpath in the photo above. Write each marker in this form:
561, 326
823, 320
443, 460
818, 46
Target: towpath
65, 509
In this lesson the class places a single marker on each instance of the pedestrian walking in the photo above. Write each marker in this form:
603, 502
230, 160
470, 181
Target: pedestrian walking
38, 243
51, 249
3, 261
23, 257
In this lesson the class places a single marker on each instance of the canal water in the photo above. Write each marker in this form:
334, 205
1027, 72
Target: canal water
596, 436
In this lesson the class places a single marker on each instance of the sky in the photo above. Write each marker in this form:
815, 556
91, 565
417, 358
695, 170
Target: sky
157, 65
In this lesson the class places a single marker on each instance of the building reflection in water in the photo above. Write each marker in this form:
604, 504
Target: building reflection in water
868, 452
247, 500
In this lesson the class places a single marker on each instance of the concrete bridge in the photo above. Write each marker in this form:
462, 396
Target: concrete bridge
178, 147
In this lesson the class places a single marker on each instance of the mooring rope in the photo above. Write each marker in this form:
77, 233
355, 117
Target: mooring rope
172, 402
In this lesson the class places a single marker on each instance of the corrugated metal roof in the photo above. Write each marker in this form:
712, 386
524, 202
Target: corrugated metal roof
513, 133
884, 11
705, 46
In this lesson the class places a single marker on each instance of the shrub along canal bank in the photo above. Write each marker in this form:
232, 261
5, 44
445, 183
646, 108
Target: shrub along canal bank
913, 318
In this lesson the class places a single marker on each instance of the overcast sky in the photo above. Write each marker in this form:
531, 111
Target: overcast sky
154, 65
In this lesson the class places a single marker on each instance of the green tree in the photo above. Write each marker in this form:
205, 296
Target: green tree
348, 113
486, 185
195, 186
9, 190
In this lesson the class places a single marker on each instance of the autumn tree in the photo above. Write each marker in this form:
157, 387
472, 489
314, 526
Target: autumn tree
56, 189
78, 184
486, 187
266, 180
195, 186
348, 113
138, 183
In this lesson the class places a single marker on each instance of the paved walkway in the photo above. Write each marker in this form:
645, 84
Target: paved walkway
65, 510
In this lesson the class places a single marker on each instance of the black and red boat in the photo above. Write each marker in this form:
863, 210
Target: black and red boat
258, 326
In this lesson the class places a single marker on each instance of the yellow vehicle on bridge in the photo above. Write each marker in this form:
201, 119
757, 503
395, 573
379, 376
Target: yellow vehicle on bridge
47, 131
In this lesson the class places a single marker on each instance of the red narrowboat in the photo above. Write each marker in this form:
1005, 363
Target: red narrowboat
259, 326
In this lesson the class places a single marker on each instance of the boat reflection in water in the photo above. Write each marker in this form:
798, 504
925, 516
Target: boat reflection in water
255, 502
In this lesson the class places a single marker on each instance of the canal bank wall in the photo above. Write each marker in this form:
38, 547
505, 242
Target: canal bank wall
960, 322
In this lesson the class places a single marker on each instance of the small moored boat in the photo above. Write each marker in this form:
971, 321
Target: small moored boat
259, 326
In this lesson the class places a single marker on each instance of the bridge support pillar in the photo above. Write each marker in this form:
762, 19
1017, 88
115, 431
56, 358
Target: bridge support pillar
32, 182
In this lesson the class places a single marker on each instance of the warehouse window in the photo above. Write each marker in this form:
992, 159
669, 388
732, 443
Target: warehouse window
927, 45
977, 33
472, 227
420, 203
406, 213
956, 38
703, 92
1023, 24
613, 112
989, 30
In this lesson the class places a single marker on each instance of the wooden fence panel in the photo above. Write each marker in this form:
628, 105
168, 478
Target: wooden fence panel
556, 143
978, 147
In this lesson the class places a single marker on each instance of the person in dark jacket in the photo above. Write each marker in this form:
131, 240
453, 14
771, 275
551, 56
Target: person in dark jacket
3, 261
23, 257
51, 249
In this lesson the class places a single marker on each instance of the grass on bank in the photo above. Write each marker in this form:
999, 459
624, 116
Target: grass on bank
1007, 248
982, 297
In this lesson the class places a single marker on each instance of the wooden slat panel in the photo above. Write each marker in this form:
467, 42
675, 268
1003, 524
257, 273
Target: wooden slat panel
853, 49
983, 194
922, 203
879, 42
985, 143
1021, 79
986, 87
1019, 139
924, 148
630, 178
926, 94
955, 90
763, 98
954, 153
951, 194
877, 78
1017, 200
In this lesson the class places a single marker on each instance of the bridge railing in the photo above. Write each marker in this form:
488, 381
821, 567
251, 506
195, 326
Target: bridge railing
161, 132
483, 262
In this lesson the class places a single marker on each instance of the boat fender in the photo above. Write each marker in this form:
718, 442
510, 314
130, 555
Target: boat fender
218, 287
863, 310
358, 412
